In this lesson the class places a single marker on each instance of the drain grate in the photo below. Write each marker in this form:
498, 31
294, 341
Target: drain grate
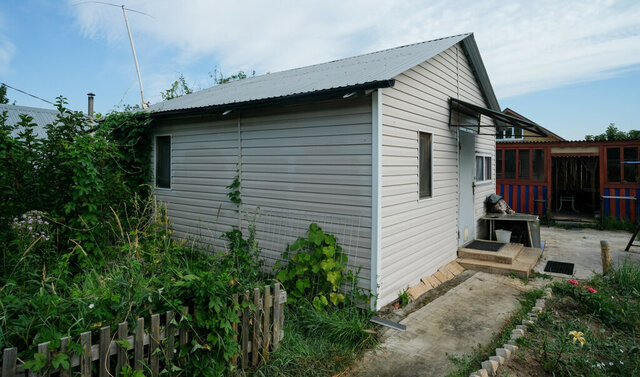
485, 246
559, 267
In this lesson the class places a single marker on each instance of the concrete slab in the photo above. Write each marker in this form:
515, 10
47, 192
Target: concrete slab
454, 323
582, 247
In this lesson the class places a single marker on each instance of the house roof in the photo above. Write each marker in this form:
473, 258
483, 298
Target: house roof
545, 131
41, 117
374, 70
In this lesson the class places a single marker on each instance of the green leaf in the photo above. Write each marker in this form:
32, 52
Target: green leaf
316, 236
327, 265
302, 284
336, 298
328, 251
39, 361
334, 278
299, 244
320, 302
124, 344
61, 360
282, 276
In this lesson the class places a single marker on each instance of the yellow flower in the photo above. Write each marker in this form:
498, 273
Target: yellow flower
206, 347
579, 336
97, 324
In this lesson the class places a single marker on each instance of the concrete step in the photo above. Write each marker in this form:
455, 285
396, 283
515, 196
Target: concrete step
507, 254
521, 266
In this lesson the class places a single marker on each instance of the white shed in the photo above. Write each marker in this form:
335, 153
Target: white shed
370, 147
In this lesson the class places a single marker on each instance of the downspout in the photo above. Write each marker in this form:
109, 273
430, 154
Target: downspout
239, 171
376, 192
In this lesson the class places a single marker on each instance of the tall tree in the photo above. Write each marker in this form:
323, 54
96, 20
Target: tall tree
613, 133
3, 94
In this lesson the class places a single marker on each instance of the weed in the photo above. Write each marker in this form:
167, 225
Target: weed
404, 298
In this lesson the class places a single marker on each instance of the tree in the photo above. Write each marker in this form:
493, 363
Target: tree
3, 94
178, 88
219, 78
613, 133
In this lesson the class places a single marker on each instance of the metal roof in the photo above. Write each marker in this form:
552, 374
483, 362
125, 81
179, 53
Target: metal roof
41, 117
375, 67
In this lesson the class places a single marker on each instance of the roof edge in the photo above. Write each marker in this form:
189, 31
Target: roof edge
470, 49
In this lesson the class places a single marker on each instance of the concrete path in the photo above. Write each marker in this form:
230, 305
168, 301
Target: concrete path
454, 323
582, 248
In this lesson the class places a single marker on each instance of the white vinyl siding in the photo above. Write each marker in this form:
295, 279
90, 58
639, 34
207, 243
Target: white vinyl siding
298, 164
420, 236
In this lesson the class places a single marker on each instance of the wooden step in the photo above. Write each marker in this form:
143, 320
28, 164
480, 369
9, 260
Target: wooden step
507, 254
521, 266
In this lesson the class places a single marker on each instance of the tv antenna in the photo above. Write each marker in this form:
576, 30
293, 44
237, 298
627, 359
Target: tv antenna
145, 105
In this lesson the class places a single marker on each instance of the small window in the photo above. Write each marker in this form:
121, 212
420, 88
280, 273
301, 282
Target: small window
483, 168
631, 164
425, 172
510, 163
499, 164
163, 161
523, 164
538, 165
613, 164
509, 133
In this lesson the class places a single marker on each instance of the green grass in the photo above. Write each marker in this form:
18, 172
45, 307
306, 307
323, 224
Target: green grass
319, 343
468, 363
609, 320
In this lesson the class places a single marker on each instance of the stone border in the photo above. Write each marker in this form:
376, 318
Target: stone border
490, 367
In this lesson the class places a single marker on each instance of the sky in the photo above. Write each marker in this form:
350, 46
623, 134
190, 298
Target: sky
571, 66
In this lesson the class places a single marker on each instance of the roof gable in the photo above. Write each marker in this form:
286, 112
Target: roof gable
376, 67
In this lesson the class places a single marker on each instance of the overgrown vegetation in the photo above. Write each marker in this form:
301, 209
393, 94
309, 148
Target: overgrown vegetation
587, 329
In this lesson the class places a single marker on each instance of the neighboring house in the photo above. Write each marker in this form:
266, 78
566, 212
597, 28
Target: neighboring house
569, 180
41, 117
514, 133
388, 150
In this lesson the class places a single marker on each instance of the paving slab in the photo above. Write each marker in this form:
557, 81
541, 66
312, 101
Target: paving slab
581, 246
454, 323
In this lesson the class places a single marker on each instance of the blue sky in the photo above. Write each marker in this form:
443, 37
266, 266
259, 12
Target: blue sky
572, 66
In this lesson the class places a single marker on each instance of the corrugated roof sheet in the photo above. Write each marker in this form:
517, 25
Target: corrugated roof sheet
41, 117
363, 69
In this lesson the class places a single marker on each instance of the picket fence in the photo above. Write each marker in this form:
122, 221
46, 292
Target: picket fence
259, 333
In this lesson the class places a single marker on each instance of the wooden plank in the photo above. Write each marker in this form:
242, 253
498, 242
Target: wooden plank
43, 348
266, 333
434, 282
276, 316
63, 349
153, 345
123, 331
9, 357
234, 360
184, 335
138, 347
169, 334
103, 351
255, 342
85, 359
245, 330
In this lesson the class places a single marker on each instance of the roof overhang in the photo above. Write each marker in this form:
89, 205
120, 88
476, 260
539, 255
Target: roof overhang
500, 118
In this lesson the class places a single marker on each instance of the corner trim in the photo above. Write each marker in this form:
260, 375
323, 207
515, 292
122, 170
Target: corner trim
376, 192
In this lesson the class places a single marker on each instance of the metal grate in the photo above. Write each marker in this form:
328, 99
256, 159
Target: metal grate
485, 245
559, 267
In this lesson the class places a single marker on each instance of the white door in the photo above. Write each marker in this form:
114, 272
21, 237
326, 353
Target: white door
466, 152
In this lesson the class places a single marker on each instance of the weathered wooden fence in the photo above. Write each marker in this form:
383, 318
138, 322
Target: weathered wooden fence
259, 333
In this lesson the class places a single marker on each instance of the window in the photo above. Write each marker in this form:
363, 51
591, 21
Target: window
509, 133
510, 163
483, 168
163, 161
538, 165
498, 164
425, 172
613, 164
630, 155
523, 164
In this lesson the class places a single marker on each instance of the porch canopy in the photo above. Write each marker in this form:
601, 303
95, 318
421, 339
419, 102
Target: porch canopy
501, 119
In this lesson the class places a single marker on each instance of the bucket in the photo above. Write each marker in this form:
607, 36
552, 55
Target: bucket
503, 235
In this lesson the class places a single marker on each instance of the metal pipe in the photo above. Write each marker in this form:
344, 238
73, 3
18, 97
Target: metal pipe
135, 58
90, 106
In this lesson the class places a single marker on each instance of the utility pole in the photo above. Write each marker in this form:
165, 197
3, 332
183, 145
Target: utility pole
135, 58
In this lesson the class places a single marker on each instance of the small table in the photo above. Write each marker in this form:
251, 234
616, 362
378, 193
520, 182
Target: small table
531, 221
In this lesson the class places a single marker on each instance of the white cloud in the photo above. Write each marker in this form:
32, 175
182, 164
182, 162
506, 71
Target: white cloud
7, 50
526, 47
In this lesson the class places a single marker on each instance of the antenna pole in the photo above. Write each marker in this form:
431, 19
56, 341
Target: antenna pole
135, 58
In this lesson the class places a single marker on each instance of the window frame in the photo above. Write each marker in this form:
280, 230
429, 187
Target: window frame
431, 191
155, 162
501, 134
484, 169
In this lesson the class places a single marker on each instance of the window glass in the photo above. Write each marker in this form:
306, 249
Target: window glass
523, 164
613, 164
630, 170
425, 165
163, 161
538, 165
517, 132
510, 163
479, 169
498, 164
487, 168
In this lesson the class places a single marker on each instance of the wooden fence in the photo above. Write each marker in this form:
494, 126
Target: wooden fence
259, 333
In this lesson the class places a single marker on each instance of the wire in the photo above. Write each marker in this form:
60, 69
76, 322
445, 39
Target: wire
113, 5
29, 94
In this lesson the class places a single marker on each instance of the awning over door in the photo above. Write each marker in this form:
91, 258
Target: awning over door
501, 119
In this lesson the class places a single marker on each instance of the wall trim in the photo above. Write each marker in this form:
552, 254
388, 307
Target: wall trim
376, 195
